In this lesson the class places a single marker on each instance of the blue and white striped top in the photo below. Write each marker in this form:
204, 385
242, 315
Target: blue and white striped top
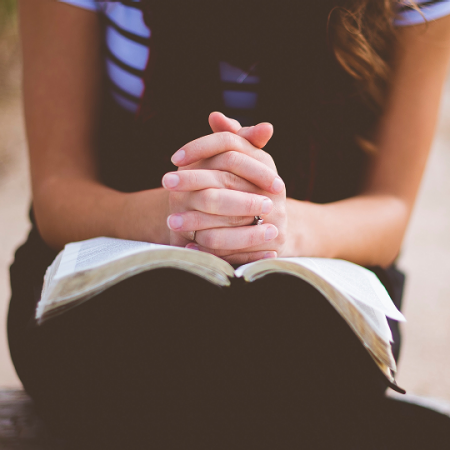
127, 43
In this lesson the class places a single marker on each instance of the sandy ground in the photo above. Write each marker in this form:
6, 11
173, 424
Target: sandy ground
425, 362
14, 197
425, 365
14, 184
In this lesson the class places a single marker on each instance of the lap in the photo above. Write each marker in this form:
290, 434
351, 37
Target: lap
167, 348
278, 318
167, 340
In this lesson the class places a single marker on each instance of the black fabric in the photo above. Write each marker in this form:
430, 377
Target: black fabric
313, 104
168, 359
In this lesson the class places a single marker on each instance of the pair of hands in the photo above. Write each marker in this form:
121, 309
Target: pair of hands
223, 181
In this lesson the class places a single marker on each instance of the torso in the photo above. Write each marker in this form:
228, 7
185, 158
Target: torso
327, 167
127, 40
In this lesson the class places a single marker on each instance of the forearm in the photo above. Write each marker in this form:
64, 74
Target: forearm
73, 209
366, 229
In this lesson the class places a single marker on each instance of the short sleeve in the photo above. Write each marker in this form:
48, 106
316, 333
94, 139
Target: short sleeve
429, 10
91, 5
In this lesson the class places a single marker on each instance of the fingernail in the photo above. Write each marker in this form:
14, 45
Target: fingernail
266, 206
270, 255
175, 222
170, 180
271, 233
277, 185
192, 247
178, 156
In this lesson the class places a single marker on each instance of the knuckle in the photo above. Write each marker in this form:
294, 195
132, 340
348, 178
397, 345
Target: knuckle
266, 158
193, 178
195, 147
232, 160
251, 204
228, 140
261, 155
213, 201
203, 200
196, 221
230, 180
208, 200
211, 240
254, 238
237, 221
270, 161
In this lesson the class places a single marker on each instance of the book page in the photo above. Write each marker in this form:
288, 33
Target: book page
84, 255
350, 279
354, 280
376, 319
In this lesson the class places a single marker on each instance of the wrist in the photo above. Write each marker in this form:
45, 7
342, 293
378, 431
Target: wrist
142, 216
306, 234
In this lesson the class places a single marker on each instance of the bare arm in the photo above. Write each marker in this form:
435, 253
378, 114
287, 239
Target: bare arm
70, 204
368, 229
62, 76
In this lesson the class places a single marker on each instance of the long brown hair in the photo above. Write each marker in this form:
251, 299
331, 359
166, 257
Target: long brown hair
323, 96
360, 34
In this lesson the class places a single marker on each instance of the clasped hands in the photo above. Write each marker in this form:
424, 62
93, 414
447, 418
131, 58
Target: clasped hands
223, 181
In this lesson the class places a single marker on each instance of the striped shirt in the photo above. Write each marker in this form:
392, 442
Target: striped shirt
127, 53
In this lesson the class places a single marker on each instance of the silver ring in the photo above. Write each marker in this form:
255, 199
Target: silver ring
258, 220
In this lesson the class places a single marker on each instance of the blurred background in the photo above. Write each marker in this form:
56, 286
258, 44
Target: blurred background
425, 360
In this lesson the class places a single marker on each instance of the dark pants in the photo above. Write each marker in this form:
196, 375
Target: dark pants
166, 360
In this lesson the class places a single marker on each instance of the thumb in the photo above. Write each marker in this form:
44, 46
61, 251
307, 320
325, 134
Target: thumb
259, 135
220, 122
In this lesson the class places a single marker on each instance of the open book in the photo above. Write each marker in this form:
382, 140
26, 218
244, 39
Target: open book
84, 269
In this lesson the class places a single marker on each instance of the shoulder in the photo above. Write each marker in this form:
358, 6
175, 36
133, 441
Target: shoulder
102, 5
92, 5
423, 11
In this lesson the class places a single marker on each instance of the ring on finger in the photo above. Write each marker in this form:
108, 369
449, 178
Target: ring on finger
258, 220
